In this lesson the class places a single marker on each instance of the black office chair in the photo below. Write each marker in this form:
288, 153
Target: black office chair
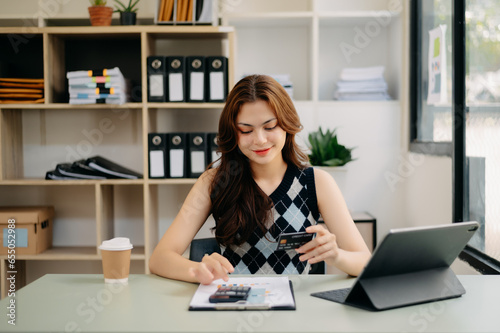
202, 246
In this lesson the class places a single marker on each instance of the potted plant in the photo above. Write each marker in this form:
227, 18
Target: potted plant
128, 13
327, 154
99, 13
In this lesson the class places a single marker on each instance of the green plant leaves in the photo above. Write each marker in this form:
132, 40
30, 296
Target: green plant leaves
98, 2
126, 8
326, 151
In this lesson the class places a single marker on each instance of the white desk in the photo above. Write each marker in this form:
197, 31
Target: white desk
83, 303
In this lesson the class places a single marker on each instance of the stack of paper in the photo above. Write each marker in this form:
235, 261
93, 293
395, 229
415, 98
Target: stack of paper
17, 90
92, 87
362, 84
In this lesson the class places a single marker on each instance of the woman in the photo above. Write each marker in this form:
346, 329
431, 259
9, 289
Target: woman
261, 188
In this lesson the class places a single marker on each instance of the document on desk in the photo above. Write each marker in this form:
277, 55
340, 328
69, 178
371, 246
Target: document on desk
267, 293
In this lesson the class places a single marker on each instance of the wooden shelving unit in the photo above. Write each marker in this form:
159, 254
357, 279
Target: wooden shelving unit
55, 122
367, 30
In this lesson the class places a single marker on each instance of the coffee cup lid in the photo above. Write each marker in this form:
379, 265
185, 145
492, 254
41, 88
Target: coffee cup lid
116, 244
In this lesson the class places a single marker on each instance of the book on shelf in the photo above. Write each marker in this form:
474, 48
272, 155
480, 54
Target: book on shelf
111, 168
55, 175
362, 73
5, 83
20, 90
186, 12
93, 95
90, 73
94, 85
89, 86
68, 171
80, 101
79, 170
94, 91
96, 96
96, 167
363, 96
96, 79
362, 84
20, 95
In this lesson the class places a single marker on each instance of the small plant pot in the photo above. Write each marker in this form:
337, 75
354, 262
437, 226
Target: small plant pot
100, 15
128, 18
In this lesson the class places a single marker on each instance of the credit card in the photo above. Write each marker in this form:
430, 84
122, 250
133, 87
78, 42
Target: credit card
293, 240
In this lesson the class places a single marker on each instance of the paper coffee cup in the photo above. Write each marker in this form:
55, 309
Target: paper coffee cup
116, 259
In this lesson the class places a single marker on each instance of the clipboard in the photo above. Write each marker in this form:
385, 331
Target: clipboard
267, 293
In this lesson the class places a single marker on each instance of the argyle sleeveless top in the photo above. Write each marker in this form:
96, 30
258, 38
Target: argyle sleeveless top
295, 208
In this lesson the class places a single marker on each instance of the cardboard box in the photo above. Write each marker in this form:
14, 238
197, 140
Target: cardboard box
33, 229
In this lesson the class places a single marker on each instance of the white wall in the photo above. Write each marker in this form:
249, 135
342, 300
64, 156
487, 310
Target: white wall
428, 190
373, 128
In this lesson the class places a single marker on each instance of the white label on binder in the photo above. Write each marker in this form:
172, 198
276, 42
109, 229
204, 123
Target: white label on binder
176, 87
215, 156
156, 85
197, 161
196, 86
216, 86
157, 168
176, 163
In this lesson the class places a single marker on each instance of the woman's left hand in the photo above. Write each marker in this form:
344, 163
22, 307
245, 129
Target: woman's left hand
323, 247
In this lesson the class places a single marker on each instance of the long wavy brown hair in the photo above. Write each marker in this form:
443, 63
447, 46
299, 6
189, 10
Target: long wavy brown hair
238, 204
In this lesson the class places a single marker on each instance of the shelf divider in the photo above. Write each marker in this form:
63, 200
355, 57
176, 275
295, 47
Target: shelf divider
104, 213
11, 145
151, 221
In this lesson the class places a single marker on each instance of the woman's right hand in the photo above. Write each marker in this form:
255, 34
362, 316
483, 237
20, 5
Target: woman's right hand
212, 267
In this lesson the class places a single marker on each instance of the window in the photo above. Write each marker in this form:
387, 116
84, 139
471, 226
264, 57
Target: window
431, 131
460, 116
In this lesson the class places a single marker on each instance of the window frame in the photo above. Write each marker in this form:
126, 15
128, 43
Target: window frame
479, 260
